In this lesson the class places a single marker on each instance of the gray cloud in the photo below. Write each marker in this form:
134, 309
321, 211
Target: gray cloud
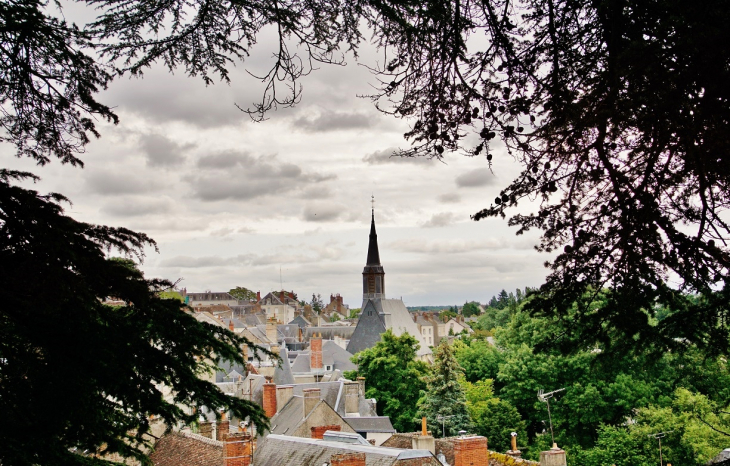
134, 206
322, 212
384, 156
222, 160
222, 232
449, 198
448, 246
316, 192
476, 178
165, 97
441, 219
114, 182
162, 152
328, 120
240, 176
253, 260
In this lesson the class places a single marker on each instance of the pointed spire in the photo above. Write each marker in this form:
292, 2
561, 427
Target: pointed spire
373, 253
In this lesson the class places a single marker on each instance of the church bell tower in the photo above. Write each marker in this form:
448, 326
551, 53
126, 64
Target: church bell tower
373, 275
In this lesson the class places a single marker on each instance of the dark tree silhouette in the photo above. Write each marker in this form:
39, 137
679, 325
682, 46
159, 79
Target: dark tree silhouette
80, 375
618, 113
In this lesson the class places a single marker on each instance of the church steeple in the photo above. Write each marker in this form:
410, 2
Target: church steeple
373, 253
373, 275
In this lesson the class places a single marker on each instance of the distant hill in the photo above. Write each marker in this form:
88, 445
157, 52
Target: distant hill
426, 308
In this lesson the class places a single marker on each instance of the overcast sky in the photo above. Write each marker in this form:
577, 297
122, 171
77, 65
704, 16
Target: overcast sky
231, 202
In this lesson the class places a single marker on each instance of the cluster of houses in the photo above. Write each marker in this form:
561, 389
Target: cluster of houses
317, 416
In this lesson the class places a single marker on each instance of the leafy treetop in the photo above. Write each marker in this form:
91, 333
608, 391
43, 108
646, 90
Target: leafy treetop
399, 391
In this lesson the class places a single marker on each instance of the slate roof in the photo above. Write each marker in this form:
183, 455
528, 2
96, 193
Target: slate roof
377, 316
336, 356
277, 450
253, 320
259, 333
289, 416
208, 318
236, 323
178, 448
301, 322
302, 363
220, 296
722, 459
330, 332
371, 424
289, 330
368, 330
252, 388
283, 373
226, 369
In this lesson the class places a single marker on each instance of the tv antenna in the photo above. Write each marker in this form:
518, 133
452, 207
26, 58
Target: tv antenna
659, 436
545, 398
443, 423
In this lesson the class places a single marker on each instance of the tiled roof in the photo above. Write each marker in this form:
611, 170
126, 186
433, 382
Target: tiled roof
178, 448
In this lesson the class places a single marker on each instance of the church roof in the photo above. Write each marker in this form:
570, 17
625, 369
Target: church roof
379, 315
373, 253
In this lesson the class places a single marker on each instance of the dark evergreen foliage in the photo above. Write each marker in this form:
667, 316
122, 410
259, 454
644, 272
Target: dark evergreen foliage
76, 373
443, 403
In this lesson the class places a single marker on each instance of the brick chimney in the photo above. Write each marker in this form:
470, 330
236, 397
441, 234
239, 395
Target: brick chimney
311, 398
272, 331
315, 347
238, 449
317, 432
470, 451
284, 393
348, 459
361, 383
352, 400
223, 427
270, 399
424, 441
205, 429
258, 296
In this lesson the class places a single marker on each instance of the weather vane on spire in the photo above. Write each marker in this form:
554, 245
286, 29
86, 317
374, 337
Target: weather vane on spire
372, 202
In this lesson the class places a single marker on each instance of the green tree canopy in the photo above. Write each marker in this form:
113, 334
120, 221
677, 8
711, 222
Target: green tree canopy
242, 294
443, 403
76, 373
394, 377
470, 309
493, 418
317, 303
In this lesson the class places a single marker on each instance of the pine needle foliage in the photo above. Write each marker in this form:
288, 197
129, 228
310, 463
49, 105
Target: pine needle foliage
444, 401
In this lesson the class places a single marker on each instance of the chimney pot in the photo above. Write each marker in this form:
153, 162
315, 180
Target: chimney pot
311, 398
270, 399
284, 393
470, 451
315, 347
